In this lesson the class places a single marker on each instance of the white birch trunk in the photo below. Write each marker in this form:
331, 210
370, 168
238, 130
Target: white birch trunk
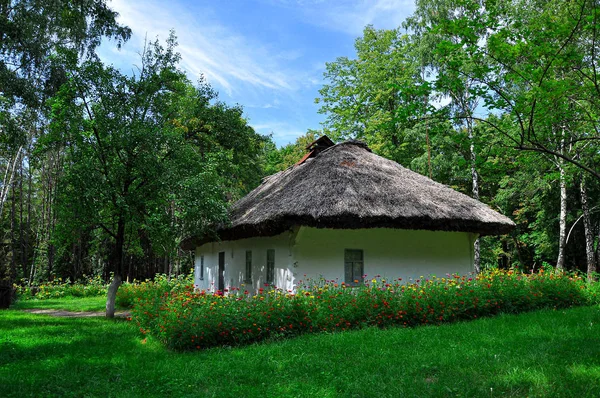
475, 180
589, 236
562, 223
7, 181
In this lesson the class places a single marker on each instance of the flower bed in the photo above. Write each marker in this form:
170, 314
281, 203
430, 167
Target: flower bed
195, 320
128, 293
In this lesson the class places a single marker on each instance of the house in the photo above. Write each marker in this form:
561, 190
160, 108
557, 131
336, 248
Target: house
342, 212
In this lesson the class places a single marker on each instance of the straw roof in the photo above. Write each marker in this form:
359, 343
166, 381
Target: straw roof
348, 186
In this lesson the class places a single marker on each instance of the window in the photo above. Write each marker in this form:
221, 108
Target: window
201, 268
353, 267
248, 266
270, 266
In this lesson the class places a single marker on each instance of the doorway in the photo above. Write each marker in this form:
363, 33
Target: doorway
221, 283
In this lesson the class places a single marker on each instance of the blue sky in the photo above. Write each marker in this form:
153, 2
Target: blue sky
266, 55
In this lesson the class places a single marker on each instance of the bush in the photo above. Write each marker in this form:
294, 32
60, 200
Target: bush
185, 319
593, 292
129, 293
88, 287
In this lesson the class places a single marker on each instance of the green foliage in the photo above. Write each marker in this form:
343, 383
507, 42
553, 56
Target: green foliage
35, 36
150, 158
190, 320
88, 287
39, 41
279, 159
130, 293
379, 96
214, 129
532, 61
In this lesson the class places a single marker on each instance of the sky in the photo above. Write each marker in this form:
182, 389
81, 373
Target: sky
266, 55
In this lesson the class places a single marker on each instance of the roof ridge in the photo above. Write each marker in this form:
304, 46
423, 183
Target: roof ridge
355, 142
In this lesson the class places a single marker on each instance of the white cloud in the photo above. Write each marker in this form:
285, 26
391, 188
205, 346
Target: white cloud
224, 57
351, 16
270, 105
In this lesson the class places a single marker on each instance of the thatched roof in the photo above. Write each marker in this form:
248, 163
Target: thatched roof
348, 186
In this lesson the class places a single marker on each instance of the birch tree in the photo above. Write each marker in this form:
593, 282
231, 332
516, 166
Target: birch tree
588, 232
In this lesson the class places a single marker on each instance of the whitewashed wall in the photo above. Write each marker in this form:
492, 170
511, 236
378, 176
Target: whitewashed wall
235, 262
391, 253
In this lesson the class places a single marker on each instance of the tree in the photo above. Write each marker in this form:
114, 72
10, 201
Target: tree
535, 61
129, 167
279, 159
588, 233
460, 89
215, 127
36, 38
377, 97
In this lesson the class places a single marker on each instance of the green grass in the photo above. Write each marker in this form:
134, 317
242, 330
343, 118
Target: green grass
544, 353
97, 303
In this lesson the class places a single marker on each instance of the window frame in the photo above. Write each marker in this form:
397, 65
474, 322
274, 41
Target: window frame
349, 261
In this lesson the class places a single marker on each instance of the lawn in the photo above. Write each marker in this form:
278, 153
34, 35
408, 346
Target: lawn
94, 303
543, 353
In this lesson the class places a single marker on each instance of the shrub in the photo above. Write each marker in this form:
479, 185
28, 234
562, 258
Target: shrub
128, 293
186, 319
593, 292
88, 287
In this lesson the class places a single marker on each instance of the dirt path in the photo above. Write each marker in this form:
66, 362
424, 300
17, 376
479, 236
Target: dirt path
74, 314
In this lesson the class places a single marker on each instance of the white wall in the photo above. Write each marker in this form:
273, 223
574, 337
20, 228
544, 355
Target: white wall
391, 253
235, 262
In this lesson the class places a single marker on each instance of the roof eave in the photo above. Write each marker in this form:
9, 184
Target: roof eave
277, 226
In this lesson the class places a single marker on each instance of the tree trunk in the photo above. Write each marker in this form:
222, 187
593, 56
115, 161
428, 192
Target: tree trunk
589, 236
52, 210
475, 180
22, 261
117, 264
598, 245
562, 231
425, 102
28, 243
49, 205
112, 295
7, 181
13, 246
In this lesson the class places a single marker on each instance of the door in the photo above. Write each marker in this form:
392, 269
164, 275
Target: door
221, 286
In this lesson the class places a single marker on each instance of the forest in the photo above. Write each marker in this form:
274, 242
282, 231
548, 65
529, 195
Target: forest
105, 171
